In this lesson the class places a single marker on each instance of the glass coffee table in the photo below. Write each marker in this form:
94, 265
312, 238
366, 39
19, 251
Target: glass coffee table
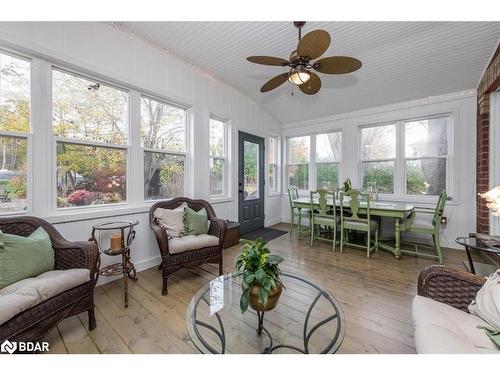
306, 320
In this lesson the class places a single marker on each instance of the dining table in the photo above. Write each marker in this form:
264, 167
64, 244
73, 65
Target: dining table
396, 210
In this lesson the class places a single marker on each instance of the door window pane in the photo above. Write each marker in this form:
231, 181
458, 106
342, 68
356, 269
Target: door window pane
298, 150
328, 147
298, 175
425, 176
90, 175
163, 127
327, 176
163, 175
14, 94
88, 110
378, 142
251, 170
426, 137
380, 173
216, 176
13, 174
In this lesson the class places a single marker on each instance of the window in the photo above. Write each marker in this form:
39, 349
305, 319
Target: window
90, 124
218, 155
163, 135
378, 156
273, 164
328, 156
298, 162
426, 151
408, 158
15, 86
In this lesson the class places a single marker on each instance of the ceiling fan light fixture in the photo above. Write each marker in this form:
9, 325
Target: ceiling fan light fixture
299, 75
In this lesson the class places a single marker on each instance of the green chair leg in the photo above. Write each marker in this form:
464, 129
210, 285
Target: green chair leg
299, 225
292, 222
334, 237
437, 245
341, 239
368, 244
311, 226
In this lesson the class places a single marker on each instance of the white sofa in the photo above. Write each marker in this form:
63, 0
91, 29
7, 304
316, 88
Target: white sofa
442, 322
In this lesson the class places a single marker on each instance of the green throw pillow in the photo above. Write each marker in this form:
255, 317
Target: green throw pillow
195, 222
23, 257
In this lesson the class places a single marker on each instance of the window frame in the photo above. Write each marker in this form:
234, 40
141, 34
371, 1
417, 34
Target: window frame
288, 163
274, 190
226, 194
337, 163
394, 160
145, 149
28, 136
400, 159
58, 139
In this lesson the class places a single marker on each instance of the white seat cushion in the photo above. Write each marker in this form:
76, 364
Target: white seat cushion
26, 293
191, 242
442, 329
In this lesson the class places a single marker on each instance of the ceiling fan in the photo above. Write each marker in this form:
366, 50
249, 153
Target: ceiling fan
310, 47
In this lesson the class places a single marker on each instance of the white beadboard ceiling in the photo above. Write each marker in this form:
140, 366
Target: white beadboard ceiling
401, 60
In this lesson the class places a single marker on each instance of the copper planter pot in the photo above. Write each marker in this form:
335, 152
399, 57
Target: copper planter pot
272, 299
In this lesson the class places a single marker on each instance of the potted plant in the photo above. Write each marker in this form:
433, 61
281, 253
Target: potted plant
261, 284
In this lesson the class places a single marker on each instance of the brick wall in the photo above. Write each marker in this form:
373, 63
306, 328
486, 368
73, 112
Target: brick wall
489, 82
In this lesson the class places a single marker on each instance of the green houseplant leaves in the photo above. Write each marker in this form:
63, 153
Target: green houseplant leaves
260, 268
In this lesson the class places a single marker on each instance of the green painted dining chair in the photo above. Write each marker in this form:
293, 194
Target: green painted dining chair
351, 220
297, 212
432, 228
323, 215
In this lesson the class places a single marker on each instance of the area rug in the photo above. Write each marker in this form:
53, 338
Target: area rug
267, 234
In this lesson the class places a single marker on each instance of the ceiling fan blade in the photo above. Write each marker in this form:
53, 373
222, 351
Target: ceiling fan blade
268, 60
337, 65
274, 82
314, 44
312, 86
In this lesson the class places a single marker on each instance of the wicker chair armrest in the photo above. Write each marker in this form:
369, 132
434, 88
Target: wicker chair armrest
454, 287
78, 254
161, 238
218, 229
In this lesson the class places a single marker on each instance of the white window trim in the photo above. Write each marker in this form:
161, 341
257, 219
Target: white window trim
400, 160
42, 196
84, 142
276, 190
312, 159
28, 136
226, 190
185, 153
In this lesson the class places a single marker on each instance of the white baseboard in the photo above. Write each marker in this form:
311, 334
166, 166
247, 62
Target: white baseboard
270, 222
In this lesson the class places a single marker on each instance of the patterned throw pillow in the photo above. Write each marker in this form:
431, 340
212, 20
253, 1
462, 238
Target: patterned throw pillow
171, 220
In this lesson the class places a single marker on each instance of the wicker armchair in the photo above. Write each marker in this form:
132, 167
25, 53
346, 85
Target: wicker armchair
33, 324
450, 286
188, 259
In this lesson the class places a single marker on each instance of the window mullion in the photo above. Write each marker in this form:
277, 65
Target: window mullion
43, 187
400, 170
135, 154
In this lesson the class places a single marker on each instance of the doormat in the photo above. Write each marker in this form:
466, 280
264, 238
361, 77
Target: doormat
267, 234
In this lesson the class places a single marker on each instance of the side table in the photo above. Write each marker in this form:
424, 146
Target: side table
119, 236
478, 244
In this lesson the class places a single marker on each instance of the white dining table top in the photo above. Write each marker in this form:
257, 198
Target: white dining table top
374, 205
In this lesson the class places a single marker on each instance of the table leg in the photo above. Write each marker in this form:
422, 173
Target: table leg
397, 234
469, 257
125, 277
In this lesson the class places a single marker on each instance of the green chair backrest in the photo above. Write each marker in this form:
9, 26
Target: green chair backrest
325, 199
356, 196
438, 213
293, 193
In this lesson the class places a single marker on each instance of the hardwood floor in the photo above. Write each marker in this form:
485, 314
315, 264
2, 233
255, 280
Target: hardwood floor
375, 295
